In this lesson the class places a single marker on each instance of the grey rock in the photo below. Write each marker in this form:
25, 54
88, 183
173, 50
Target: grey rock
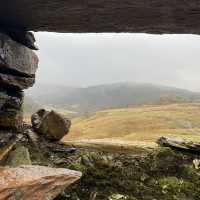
11, 114
8, 101
17, 82
21, 36
16, 59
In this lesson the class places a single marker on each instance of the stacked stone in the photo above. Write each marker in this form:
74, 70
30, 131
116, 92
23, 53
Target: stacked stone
18, 65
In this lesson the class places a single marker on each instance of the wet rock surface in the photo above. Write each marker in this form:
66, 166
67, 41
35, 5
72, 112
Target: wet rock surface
51, 124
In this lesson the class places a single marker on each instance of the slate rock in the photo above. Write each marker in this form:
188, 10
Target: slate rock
16, 82
16, 58
11, 114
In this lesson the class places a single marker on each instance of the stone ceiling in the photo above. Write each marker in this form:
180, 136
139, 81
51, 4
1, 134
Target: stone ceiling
150, 16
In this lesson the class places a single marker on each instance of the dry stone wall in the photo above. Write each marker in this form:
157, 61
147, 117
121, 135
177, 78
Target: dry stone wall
18, 65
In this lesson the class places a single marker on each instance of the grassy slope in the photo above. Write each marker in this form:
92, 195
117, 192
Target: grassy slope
142, 124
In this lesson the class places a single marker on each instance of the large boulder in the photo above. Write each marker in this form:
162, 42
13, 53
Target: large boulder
51, 124
34, 182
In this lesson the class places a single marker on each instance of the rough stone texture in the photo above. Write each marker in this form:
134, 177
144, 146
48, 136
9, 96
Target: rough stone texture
11, 114
18, 64
5, 150
152, 16
19, 156
10, 101
34, 182
18, 82
11, 120
16, 59
51, 124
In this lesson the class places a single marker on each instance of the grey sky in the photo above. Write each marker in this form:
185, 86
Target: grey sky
91, 59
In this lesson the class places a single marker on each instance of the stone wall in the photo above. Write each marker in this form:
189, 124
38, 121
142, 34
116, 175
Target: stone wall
18, 65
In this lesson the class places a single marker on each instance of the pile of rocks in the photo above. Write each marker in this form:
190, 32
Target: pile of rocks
22, 176
18, 65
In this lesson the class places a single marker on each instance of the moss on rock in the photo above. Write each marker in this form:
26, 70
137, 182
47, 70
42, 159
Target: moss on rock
161, 174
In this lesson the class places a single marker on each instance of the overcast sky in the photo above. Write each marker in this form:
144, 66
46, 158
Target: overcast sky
92, 59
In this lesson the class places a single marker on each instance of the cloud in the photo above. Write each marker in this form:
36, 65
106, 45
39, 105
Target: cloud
91, 59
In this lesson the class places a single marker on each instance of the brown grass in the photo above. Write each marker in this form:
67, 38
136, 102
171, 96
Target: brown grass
138, 124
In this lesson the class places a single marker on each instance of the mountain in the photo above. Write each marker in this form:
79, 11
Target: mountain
94, 98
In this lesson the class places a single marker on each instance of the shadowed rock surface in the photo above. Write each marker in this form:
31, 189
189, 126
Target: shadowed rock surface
34, 182
18, 66
149, 16
11, 114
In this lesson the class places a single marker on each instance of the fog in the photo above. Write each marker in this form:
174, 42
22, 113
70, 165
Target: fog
93, 59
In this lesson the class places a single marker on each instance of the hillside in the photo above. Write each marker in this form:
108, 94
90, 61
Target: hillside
143, 124
95, 98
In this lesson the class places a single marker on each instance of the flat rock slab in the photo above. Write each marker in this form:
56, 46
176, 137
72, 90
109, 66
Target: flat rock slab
151, 16
179, 143
16, 58
34, 182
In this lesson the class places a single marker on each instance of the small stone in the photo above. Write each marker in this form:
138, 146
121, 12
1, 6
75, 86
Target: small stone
51, 124
196, 163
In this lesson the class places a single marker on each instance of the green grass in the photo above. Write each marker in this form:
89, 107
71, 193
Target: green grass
139, 124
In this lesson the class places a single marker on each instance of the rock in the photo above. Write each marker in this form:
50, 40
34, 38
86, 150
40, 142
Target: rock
11, 120
16, 59
19, 156
18, 82
86, 161
179, 144
11, 114
18, 64
34, 182
4, 151
33, 136
144, 16
10, 101
21, 36
196, 163
51, 124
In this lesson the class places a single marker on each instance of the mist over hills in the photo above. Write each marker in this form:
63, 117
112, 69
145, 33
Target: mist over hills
94, 98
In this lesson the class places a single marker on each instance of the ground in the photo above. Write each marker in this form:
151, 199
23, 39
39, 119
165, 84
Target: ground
137, 125
133, 168
161, 173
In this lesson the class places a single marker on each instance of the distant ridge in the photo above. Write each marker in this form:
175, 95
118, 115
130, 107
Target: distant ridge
95, 98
